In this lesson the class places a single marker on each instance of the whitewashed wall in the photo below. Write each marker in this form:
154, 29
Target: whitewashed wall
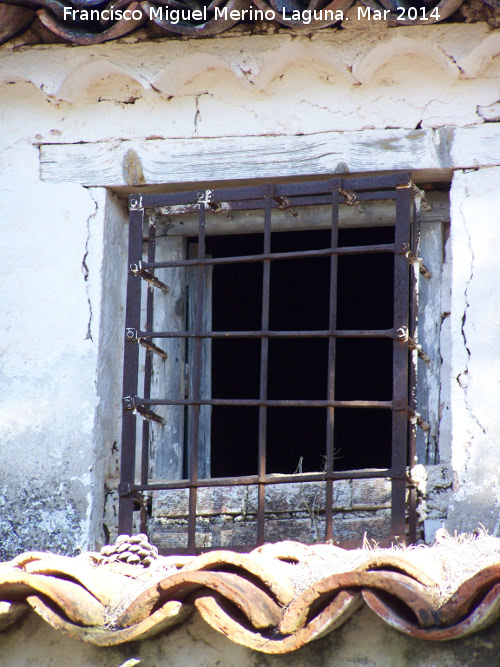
475, 342
363, 640
48, 356
227, 103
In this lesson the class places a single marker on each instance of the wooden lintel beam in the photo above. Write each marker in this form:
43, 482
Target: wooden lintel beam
149, 162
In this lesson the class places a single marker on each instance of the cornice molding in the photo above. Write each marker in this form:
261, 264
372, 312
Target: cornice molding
455, 51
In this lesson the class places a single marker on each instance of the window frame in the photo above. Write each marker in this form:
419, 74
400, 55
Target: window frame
334, 191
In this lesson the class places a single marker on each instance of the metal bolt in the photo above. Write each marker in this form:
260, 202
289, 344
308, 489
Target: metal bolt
402, 333
135, 202
128, 402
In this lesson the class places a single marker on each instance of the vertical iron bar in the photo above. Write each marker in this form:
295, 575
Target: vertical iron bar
148, 369
194, 426
412, 439
332, 322
264, 356
130, 371
400, 365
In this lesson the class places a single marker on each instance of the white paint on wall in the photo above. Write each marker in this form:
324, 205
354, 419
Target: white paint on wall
475, 345
48, 362
237, 86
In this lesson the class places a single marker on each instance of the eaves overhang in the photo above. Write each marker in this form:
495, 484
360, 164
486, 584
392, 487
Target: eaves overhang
88, 22
274, 599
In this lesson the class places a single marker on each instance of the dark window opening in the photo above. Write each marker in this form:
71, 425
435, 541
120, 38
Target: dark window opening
287, 366
298, 367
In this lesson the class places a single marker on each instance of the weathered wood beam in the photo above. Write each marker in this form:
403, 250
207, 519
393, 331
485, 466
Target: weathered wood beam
173, 161
364, 214
181, 161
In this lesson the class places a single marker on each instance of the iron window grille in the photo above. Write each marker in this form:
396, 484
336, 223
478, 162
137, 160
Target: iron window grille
268, 198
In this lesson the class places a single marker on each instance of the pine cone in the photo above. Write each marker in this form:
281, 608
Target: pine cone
135, 550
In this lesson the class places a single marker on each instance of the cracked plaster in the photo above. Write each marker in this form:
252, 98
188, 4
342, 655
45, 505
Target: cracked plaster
474, 370
271, 81
48, 365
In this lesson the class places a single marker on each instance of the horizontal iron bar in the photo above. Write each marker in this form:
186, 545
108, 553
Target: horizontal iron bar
325, 252
247, 480
285, 189
319, 216
250, 402
221, 207
326, 333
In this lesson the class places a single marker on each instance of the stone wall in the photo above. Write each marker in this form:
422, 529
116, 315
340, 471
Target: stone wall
228, 515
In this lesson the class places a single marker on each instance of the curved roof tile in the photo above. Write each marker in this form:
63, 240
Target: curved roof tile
86, 22
274, 599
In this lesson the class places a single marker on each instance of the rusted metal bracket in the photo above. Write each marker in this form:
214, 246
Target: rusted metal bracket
153, 348
152, 280
413, 259
404, 336
419, 195
284, 204
412, 345
128, 402
131, 403
219, 207
204, 197
132, 336
124, 488
350, 197
416, 418
150, 416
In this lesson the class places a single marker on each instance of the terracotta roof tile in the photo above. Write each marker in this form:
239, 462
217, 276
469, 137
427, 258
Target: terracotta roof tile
68, 21
264, 599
